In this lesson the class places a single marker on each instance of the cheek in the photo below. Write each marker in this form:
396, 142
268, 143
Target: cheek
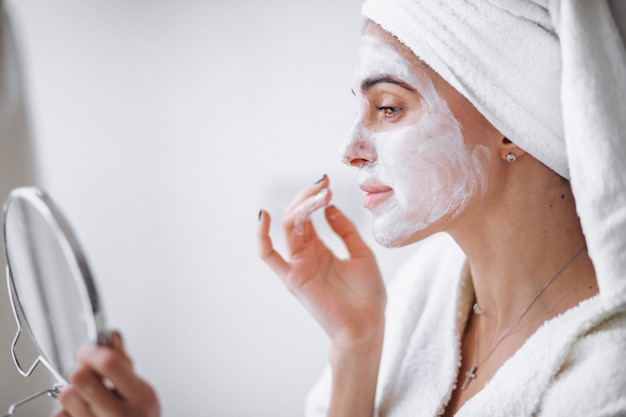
432, 169
423, 154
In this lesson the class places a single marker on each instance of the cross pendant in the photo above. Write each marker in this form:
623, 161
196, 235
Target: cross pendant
471, 374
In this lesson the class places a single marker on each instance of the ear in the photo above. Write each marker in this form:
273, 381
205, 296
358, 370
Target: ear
507, 147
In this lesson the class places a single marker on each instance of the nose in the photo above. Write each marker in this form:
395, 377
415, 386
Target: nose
358, 148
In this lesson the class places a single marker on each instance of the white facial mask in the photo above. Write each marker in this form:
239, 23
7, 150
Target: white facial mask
430, 169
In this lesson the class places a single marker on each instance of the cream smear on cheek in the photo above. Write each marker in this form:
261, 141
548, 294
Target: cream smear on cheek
430, 169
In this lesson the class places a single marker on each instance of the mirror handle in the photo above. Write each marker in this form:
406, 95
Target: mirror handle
53, 393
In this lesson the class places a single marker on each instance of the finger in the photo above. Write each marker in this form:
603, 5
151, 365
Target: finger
308, 207
347, 232
116, 342
297, 223
307, 192
91, 389
266, 249
113, 366
74, 403
62, 413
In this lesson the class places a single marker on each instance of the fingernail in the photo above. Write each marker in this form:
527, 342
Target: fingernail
332, 213
321, 179
260, 214
116, 340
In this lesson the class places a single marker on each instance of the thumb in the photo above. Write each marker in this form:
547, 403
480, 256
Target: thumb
116, 342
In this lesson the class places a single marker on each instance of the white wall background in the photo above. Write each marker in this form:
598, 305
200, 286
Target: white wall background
162, 127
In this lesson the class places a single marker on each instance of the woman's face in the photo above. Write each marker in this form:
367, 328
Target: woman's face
420, 146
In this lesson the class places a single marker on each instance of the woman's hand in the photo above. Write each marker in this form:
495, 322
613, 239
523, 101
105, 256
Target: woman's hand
347, 297
104, 384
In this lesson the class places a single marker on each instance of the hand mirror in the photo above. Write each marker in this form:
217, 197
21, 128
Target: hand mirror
52, 291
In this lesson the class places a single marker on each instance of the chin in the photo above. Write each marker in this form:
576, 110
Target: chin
387, 243
397, 238
397, 233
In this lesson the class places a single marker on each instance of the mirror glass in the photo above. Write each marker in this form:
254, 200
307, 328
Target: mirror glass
52, 289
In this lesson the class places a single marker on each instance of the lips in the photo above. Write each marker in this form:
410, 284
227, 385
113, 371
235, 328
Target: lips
375, 192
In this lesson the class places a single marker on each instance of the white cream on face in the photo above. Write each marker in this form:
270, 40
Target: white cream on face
432, 172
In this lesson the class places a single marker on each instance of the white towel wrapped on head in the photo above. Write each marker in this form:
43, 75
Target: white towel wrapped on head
503, 56
551, 76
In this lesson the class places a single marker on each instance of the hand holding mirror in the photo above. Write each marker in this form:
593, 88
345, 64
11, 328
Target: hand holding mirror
53, 295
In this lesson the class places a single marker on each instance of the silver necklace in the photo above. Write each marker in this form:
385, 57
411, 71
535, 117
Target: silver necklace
471, 374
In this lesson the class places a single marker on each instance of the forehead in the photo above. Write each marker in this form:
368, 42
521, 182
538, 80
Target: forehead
415, 65
374, 30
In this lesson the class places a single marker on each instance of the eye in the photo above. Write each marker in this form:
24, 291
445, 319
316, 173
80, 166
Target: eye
388, 111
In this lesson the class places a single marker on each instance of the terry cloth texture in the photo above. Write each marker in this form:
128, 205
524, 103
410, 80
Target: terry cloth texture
573, 365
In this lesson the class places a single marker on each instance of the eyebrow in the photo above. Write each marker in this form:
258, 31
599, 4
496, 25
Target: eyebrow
370, 82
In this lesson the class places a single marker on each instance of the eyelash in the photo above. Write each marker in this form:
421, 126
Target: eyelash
388, 111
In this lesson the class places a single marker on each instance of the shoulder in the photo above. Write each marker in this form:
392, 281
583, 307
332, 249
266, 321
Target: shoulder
592, 380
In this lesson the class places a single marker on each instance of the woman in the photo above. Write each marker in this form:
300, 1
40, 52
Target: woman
518, 328
461, 131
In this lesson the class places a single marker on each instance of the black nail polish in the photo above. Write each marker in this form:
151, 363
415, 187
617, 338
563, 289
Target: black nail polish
321, 179
260, 214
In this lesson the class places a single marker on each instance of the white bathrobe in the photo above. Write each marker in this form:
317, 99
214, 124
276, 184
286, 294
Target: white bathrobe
574, 364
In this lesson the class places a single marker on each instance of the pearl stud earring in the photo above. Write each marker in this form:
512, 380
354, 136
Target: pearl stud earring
510, 158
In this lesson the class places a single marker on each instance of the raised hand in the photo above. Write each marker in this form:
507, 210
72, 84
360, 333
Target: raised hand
346, 296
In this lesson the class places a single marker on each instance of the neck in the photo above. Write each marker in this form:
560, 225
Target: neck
522, 243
